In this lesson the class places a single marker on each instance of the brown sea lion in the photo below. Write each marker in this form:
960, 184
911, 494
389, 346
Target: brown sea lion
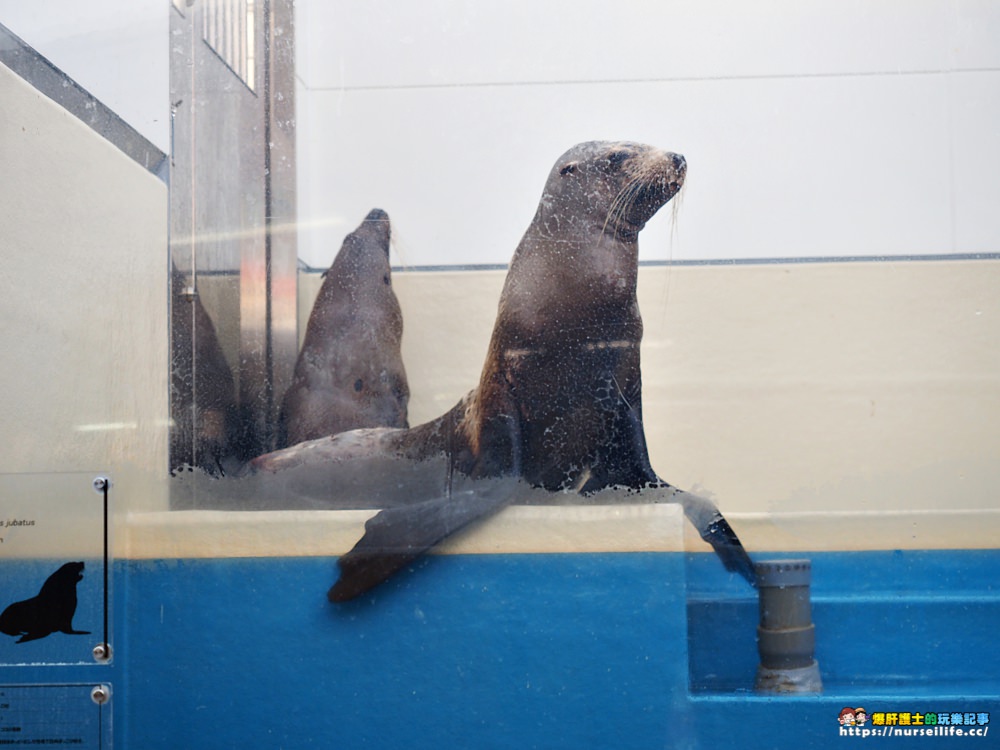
349, 372
202, 390
558, 404
50, 612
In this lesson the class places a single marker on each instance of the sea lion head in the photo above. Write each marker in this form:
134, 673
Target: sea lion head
71, 571
65, 578
364, 256
612, 186
371, 372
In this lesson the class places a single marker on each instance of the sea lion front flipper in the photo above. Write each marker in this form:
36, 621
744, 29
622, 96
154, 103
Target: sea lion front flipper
397, 536
715, 529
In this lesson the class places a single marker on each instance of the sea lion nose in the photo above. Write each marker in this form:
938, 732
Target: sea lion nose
680, 163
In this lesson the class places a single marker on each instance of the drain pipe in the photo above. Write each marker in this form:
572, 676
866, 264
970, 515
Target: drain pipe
786, 636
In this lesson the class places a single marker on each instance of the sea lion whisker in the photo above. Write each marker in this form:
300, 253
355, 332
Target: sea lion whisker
622, 202
618, 203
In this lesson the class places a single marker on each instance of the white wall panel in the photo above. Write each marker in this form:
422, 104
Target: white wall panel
975, 117
451, 42
975, 27
778, 167
115, 49
826, 129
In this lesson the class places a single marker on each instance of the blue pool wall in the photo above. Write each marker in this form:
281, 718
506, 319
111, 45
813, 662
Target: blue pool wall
624, 650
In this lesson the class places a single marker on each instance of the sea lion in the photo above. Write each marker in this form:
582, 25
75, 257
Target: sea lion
50, 612
558, 404
202, 389
350, 373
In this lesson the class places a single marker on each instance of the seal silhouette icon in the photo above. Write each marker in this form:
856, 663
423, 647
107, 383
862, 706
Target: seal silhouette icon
50, 612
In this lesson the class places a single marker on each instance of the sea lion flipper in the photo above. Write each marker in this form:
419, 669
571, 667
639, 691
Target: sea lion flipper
397, 536
715, 529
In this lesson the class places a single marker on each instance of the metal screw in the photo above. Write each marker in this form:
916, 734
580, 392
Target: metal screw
101, 694
102, 652
101, 483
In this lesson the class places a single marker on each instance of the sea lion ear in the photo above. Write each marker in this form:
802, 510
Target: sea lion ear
568, 168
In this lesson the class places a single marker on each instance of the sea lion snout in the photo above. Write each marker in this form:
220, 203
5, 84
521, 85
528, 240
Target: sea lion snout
680, 172
375, 224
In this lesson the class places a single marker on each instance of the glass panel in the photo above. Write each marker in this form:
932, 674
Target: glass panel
411, 266
528, 296
56, 715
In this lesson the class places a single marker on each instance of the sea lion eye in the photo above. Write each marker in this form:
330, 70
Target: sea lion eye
617, 158
358, 385
568, 168
385, 280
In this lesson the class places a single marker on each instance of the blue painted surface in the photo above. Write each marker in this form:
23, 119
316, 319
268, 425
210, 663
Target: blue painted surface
885, 621
23, 579
485, 651
546, 651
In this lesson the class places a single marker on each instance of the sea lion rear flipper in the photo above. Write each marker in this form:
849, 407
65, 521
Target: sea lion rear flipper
397, 536
715, 529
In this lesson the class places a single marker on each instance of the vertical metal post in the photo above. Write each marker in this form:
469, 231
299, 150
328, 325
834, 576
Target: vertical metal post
786, 636
102, 651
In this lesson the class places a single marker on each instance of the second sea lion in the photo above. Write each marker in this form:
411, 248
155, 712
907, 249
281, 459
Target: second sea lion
349, 373
202, 390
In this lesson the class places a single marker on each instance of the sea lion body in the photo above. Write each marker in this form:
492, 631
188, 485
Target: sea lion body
558, 404
559, 397
349, 373
562, 368
202, 389
50, 612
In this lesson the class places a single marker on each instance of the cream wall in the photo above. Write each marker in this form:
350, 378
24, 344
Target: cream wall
824, 405
795, 394
83, 314
826, 387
